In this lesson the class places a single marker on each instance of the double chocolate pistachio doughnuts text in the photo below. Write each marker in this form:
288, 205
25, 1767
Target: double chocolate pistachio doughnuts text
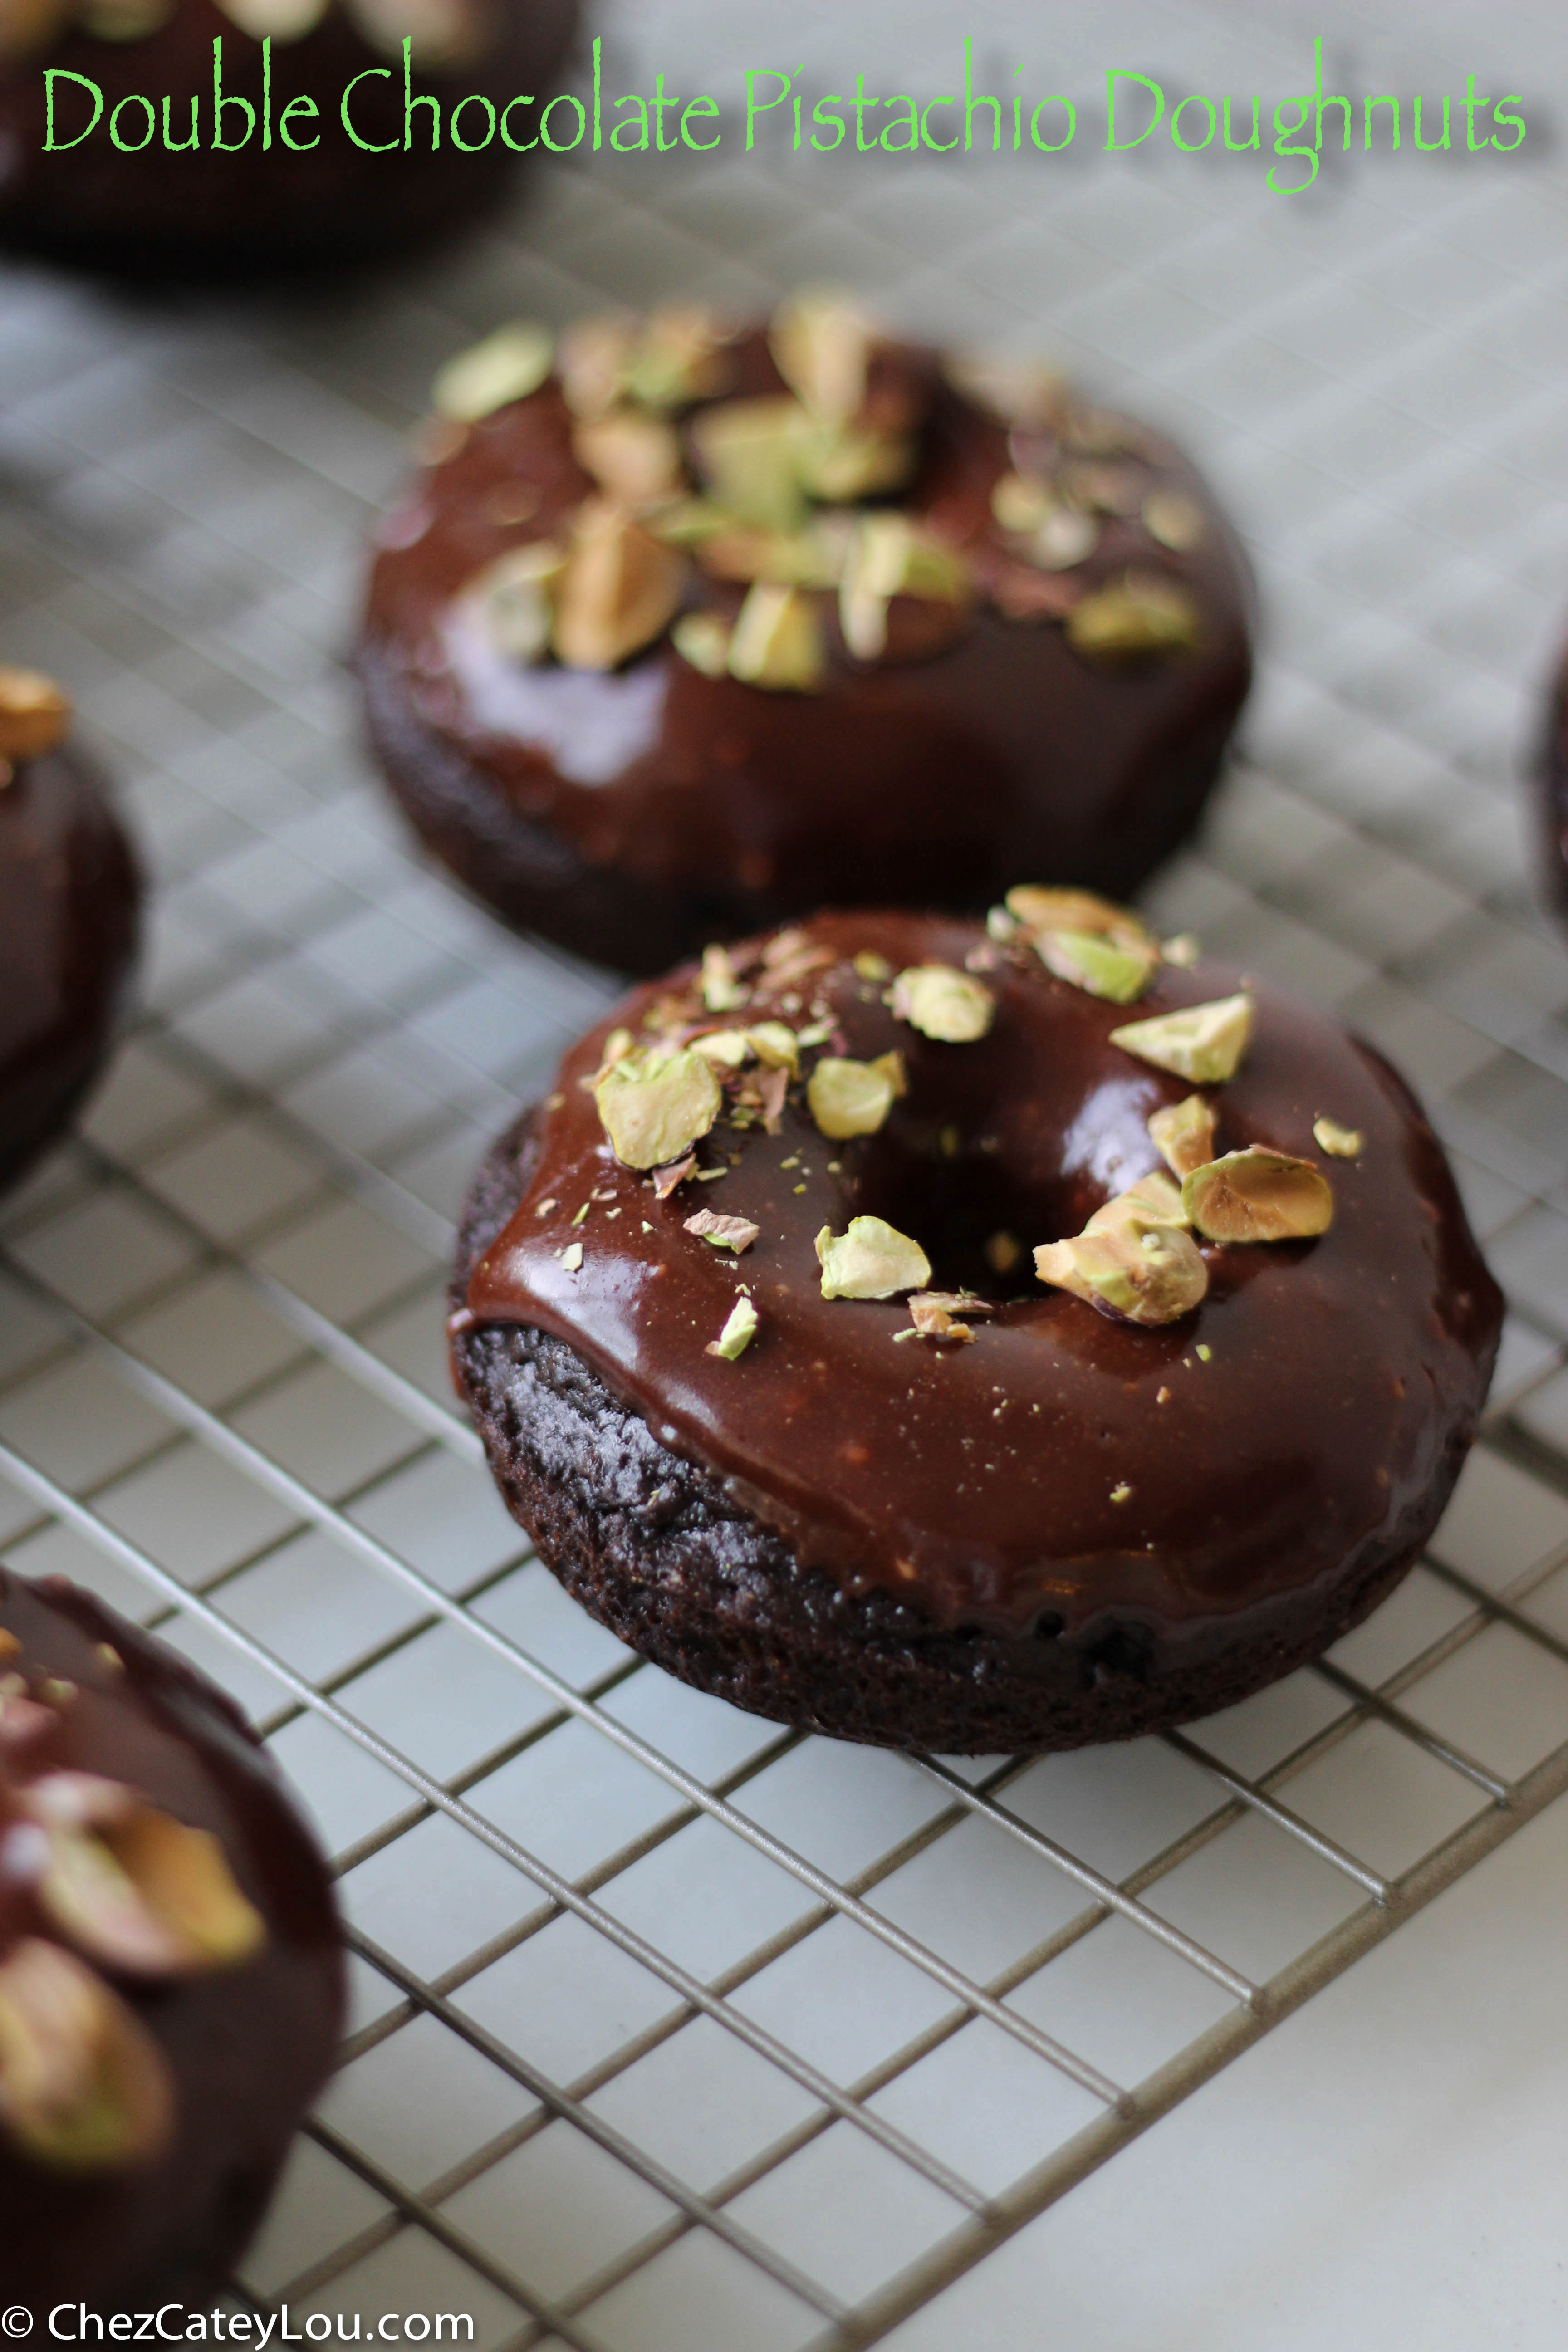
171, 1965
69, 899
684, 630
155, 183
973, 1337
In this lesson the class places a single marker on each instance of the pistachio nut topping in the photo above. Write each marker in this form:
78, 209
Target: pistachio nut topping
935, 1314
1024, 393
1339, 1142
512, 599
721, 991
871, 1260
655, 1106
847, 1098
740, 1330
1204, 1043
1138, 1267
735, 1234
1145, 612
891, 556
702, 639
1155, 1199
813, 557
33, 714
506, 366
679, 356
751, 454
821, 342
1175, 520
941, 1002
1258, 1196
618, 590
729, 1047
83, 2086
1096, 965
1184, 1133
778, 640
135, 1889
775, 1043
634, 459
592, 358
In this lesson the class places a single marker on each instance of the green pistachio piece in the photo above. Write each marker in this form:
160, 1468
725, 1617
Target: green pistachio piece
592, 359
943, 1003
778, 641
1148, 1271
506, 366
740, 1328
678, 357
1155, 1200
812, 558
513, 599
872, 1260
84, 2088
891, 556
869, 965
1339, 1142
1039, 908
729, 1047
1182, 1133
1021, 501
1204, 1043
654, 1107
619, 588
1258, 1196
821, 341
1142, 614
735, 1234
1175, 520
1096, 965
776, 1045
842, 464
721, 991
848, 1097
634, 459
703, 640
751, 454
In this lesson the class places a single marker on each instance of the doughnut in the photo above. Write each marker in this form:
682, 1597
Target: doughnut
171, 1965
69, 897
978, 1336
683, 630
147, 209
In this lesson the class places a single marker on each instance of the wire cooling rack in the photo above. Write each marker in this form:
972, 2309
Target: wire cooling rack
671, 2027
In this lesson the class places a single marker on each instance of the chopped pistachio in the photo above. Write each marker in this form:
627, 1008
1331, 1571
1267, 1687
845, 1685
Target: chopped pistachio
732, 1047
618, 590
33, 714
842, 464
1184, 951
512, 599
1097, 488
821, 341
572, 1258
582, 1216
871, 1260
1141, 1267
654, 1107
721, 991
1024, 393
632, 458
1184, 1133
1202, 1353
776, 1044
1142, 614
1339, 1142
617, 1046
703, 640
869, 965
778, 641
1065, 537
1204, 1043
848, 1097
1155, 1199
593, 359
83, 2085
133, 1888
673, 1172
506, 366
740, 1328
1021, 501
544, 1206
1121, 1492
935, 1313
1175, 520
811, 558
735, 1234
678, 357
1257, 1195
1096, 965
891, 556
943, 1003
753, 453
1003, 1251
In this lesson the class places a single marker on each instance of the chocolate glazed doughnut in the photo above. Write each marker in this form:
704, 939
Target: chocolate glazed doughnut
171, 1965
289, 204
683, 631
745, 1316
69, 894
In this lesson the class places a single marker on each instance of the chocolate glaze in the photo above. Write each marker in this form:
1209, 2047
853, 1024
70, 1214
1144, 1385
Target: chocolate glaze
158, 211
249, 2047
1344, 1378
1553, 793
69, 919
633, 816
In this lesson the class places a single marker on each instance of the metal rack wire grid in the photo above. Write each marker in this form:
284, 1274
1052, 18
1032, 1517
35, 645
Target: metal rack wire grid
671, 2027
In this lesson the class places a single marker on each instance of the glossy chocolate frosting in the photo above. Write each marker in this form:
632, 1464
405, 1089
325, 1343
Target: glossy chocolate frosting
247, 2046
972, 752
156, 210
68, 906
1066, 1462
